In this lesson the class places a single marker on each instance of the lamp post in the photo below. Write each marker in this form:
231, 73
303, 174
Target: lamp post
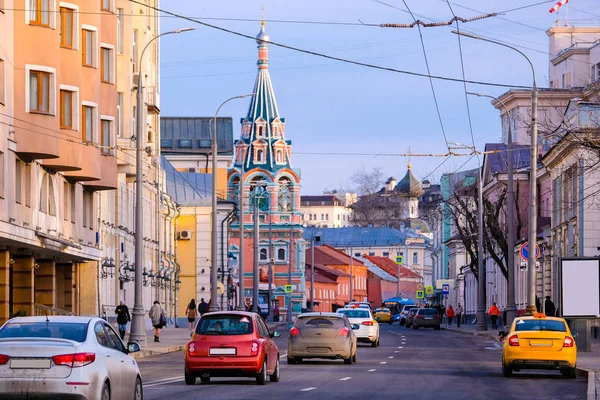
255, 268
312, 274
214, 251
511, 307
290, 266
138, 328
532, 231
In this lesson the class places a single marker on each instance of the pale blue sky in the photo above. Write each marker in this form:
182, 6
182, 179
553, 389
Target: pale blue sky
337, 107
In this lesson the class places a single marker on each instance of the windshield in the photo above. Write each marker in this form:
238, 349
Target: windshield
540, 325
42, 329
321, 322
428, 311
355, 313
385, 310
224, 324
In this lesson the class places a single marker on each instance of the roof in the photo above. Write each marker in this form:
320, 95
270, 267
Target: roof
327, 255
362, 236
319, 277
318, 198
391, 267
194, 135
182, 191
409, 184
331, 271
380, 273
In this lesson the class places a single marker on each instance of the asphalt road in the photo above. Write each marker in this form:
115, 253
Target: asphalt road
408, 364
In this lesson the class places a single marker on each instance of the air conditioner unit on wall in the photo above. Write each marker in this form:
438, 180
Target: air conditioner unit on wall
184, 235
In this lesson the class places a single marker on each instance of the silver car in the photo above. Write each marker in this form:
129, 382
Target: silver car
66, 358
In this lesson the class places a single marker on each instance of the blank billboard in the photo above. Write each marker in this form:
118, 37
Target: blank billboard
580, 287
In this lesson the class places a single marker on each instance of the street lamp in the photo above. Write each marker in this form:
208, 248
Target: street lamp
255, 268
138, 327
532, 231
511, 308
213, 237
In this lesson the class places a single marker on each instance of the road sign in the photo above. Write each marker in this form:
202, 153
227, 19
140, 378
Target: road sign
420, 294
289, 288
428, 290
525, 251
445, 288
420, 286
247, 292
399, 259
523, 266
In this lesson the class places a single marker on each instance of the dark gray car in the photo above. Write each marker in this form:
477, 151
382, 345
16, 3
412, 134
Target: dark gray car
427, 317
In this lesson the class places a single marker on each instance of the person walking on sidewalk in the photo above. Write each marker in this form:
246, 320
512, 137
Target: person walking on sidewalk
549, 307
123, 317
450, 314
494, 314
191, 313
202, 307
459, 314
159, 319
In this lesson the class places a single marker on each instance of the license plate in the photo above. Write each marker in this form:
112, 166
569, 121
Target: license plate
30, 363
222, 351
540, 343
428, 317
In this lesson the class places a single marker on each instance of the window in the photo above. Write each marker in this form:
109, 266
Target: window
65, 197
259, 155
134, 50
371, 253
39, 92
279, 156
315, 217
415, 258
106, 5
120, 114
105, 136
120, 29
357, 254
322, 217
263, 254
2, 81
18, 180
39, 12
47, 199
27, 171
66, 27
260, 131
133, 124
72, 202
87, 124
2, 169
88, 209
327, 217
185, 143
386, 253
66, 109
106, 63
87, 47
281, 254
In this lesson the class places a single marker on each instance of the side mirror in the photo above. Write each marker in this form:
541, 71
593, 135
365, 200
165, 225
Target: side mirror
355, 326
502, 333
574, 335
133, 347
275, 334
191, 334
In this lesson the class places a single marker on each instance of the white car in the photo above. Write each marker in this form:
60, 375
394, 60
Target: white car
66, 357
368, 328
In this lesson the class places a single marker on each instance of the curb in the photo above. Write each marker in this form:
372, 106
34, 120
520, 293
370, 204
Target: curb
489, 334
150, 353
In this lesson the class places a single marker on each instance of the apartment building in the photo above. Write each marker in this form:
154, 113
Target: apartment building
327, 211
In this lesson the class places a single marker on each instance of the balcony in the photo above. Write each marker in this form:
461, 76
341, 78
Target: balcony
153, 101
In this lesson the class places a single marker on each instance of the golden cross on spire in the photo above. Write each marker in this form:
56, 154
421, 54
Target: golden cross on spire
263, 15
409, 166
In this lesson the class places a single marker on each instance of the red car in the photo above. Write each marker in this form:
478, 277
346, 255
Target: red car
232, 344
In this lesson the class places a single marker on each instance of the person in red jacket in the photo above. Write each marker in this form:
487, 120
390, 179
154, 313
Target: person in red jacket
494, 313
450, 314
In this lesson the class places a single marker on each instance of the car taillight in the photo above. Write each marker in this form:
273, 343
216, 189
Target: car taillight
513, 341
254, 349
74, 360
419, 316
343, 332
294, 331
367, 323
568, 342
192, 349
437, 316
4, 359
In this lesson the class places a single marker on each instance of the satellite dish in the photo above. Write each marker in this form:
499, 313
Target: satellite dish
220, 288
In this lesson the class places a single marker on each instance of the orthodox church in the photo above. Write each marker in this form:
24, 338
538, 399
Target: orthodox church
263, 168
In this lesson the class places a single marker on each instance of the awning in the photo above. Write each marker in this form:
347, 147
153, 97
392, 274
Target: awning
57, 239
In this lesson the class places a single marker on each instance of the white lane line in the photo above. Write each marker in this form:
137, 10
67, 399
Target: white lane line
308, 389
383, 362
284, 355
164, 382
347, 378
391, 357
372, 370
396, 351
400, 347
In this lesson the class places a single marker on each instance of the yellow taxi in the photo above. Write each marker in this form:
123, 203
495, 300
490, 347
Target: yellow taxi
539, 342
383, 315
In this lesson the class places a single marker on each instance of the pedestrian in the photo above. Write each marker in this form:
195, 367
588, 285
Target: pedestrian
450, 314
494, 313
276, 313
191, 313
549, 307
158, 318
538, 304
202, 307
459, 314
123, 317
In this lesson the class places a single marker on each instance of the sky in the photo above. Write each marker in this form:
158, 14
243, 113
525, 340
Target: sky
342, 117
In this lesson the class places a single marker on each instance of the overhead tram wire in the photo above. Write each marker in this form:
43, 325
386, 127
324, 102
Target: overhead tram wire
314, 53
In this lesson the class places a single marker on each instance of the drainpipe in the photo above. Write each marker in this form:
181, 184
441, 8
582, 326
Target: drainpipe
581, 203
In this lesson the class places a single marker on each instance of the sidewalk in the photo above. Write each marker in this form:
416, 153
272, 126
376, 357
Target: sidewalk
174, 339
588, 363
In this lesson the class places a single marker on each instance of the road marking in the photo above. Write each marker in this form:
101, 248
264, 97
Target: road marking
400, 347
347, 378
391, 357
163, 382
372, 370
308, 389
396, 351
383, 362
284, 355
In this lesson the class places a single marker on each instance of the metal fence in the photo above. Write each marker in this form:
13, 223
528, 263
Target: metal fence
40, 309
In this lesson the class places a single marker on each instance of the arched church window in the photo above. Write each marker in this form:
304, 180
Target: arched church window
260, 131
281, 254
263, 254
285, 196
259, 155
279, 156
260, 195
234, 190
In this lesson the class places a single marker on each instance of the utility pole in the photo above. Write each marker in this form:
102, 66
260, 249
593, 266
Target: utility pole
271, 264
312, 274
255, 271
351, 274
290, 263
242, 299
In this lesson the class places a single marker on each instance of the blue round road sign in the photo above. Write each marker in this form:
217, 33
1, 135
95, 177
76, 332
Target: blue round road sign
525, 251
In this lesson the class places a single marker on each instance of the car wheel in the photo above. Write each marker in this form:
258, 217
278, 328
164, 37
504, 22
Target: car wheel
571, 373
390, 322
437, 328
205, 378
291, 360
506, 370
354, 356
348, 360
374, 343
261, 377
275, 376
189, 378
105, 392
139, 391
